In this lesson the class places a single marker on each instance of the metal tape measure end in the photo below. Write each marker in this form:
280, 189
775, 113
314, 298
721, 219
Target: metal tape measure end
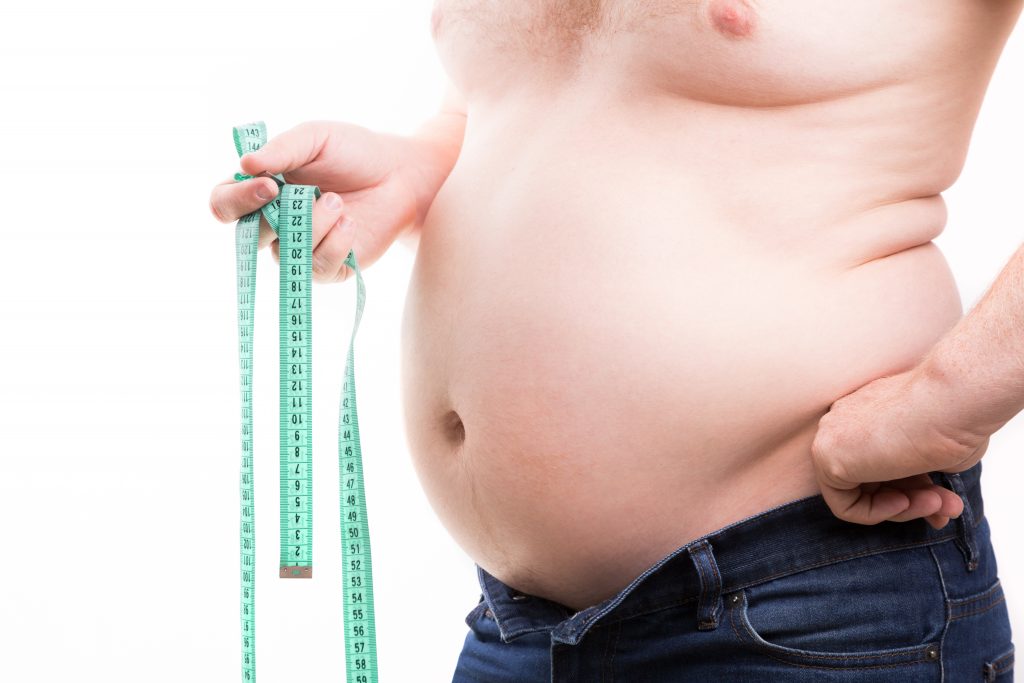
296, 573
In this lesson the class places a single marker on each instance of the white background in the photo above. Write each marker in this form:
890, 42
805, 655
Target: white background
118, 394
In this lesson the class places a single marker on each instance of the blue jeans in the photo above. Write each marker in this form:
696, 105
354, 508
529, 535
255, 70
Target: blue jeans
791, 594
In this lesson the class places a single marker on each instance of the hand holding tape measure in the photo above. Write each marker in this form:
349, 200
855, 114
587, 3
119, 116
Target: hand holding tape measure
291, 214
375, 175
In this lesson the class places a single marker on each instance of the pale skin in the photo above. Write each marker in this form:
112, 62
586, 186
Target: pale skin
367, 179
674, 268
874, 445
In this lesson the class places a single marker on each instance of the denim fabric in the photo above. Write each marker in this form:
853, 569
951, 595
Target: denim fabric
791, 594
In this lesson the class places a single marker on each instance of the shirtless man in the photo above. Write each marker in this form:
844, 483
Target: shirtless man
656, 241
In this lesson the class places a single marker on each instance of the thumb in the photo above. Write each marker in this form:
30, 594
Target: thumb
288, 151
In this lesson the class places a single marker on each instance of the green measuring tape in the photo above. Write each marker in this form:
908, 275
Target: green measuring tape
291, 217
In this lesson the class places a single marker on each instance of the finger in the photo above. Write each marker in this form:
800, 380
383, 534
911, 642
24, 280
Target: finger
326, 212
329, 257
267, 234
952, 504
907, 499
289, 150
924, 502
231, 201
921, 486
914, 481
863, 507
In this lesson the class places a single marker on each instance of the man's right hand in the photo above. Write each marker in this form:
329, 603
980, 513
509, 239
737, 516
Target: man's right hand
367, 182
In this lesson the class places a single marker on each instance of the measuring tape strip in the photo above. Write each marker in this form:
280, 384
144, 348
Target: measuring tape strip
294, 235
291, 217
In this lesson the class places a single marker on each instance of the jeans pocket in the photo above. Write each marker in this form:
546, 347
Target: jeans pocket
978, 637
880, 610
999, 667
978, 643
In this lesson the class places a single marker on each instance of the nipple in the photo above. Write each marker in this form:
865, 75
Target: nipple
732, 18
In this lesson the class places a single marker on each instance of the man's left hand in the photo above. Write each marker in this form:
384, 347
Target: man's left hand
875, 446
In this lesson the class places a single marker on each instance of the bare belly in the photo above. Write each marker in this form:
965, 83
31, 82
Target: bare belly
627, 315
630, 368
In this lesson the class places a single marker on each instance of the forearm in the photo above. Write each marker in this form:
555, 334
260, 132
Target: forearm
975, 373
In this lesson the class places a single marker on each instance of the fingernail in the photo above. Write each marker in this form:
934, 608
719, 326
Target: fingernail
263, 192
332, 201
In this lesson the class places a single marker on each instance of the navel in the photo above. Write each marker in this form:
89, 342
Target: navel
732, 18
454, 430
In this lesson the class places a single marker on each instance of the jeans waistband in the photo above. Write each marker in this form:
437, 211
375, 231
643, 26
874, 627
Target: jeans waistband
793, 537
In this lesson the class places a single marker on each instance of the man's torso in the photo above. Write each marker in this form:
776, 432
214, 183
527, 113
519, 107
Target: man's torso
676, 232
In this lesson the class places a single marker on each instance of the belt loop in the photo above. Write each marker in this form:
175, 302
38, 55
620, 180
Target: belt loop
964, 523
709, 604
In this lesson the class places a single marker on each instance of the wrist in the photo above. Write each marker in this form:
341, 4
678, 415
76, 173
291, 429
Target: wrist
957, 396
937, 382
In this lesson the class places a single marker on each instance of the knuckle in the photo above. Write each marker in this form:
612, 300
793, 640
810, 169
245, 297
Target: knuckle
824, 444
828, 461
835, 470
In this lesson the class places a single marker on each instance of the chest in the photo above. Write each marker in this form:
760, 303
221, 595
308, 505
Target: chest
736, 48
